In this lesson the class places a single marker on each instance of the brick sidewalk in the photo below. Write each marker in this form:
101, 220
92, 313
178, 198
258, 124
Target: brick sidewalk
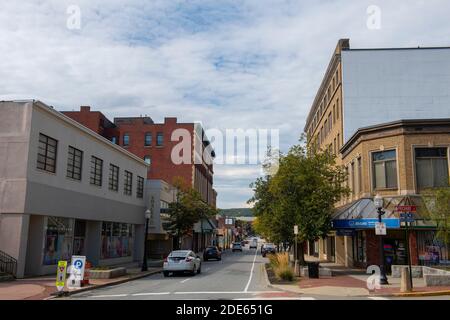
43, 287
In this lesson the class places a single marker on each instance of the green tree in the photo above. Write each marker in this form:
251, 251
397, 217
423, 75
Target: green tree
438, 204
188, 209
303, 192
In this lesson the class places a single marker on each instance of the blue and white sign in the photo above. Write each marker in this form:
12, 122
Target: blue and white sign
76, 271
406, 217
391, 223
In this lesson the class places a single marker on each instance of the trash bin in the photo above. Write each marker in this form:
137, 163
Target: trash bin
313, 270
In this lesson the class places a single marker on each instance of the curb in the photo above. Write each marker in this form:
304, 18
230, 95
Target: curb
421, 294
56, 295
270, 285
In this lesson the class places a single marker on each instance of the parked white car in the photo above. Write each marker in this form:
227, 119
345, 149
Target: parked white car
180, 261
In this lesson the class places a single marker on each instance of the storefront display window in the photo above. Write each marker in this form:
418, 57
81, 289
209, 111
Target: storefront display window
117, 240
58, 240
431, 251
361, 253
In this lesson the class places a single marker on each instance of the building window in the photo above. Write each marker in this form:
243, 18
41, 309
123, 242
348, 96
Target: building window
126, 139
338, 142
360, 247
96, 171
148, 139
46, 159
384, 169
58, 240
431, 167
359, 189
117, 240
140, 187
114, 140
74, 163
159, 139
353, 178
113, 177
148, 160
337, 109
128, 183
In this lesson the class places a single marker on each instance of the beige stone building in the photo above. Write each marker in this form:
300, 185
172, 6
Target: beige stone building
385, 114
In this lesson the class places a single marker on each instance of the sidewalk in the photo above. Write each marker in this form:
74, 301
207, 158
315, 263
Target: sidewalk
40, 288
347, 282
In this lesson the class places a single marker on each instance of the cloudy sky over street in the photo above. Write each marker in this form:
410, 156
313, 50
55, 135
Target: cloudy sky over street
229, 64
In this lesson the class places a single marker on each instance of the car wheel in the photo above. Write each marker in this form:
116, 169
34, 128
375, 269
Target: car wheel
194, 271
199, 270
166, 273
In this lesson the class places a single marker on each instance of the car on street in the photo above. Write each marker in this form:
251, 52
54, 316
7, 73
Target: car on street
181, 261
212, 253
236, 247
254, 243
267, 249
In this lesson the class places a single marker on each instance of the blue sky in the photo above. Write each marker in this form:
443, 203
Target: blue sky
229, 64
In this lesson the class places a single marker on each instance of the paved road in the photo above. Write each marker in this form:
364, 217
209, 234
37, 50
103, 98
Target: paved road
238, 276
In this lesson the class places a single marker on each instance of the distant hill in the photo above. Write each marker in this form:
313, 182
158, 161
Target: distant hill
236, 212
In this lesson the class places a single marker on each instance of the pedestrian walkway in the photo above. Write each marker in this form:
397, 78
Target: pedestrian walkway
39, 288
350, 282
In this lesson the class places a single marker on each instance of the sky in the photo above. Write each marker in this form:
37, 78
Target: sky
228, 64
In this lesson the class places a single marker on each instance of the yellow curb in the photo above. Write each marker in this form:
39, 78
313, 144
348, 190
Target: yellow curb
422, 293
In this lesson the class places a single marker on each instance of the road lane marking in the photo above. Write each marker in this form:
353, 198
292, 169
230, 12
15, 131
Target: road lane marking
207, 292
150, 294
278, 298
251, 271
109, 295
378, 298
183, 281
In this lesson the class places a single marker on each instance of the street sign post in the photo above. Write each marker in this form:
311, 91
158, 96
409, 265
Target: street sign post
61, 275
296, 267
380, 229
296, 229
407, 216
76, 271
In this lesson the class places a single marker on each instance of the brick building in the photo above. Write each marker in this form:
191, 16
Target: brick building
156, 143
385, 114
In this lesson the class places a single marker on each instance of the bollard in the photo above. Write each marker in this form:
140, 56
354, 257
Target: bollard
405, 285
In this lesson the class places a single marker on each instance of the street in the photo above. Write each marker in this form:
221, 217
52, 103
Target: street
238, 276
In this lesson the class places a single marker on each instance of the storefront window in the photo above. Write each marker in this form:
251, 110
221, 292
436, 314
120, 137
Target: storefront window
361, 254
431, 251
117, 240
58, 240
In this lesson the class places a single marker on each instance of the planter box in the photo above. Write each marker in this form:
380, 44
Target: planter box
417, 271
107, 274
432, 280
323, 272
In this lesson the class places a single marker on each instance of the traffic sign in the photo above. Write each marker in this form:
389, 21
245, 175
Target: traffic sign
76, 271
406, 208
296, 229
61, 275
407, 217
380, 229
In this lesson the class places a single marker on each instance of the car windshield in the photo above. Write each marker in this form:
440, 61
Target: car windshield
269, 245
180, 253
236, 244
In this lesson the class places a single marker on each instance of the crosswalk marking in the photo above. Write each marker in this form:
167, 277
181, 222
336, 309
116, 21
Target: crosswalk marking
377, 298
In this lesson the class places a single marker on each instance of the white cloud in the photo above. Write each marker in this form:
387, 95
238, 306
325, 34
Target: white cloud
230, 64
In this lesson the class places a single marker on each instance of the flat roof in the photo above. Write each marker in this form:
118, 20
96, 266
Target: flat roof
68, 120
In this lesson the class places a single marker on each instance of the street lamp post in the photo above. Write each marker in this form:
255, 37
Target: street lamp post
378, 201
147, 219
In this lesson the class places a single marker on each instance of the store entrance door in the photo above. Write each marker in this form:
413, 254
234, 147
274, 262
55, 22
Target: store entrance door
79, 238
394, 253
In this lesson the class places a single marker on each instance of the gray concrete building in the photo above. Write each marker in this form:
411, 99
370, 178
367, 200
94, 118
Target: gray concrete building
65, 190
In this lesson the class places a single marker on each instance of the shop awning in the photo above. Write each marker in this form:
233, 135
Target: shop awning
362, 213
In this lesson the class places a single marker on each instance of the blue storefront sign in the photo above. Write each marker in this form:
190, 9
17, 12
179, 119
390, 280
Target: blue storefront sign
391, 223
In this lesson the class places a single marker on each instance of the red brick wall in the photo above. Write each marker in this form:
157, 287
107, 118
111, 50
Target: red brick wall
162, 166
